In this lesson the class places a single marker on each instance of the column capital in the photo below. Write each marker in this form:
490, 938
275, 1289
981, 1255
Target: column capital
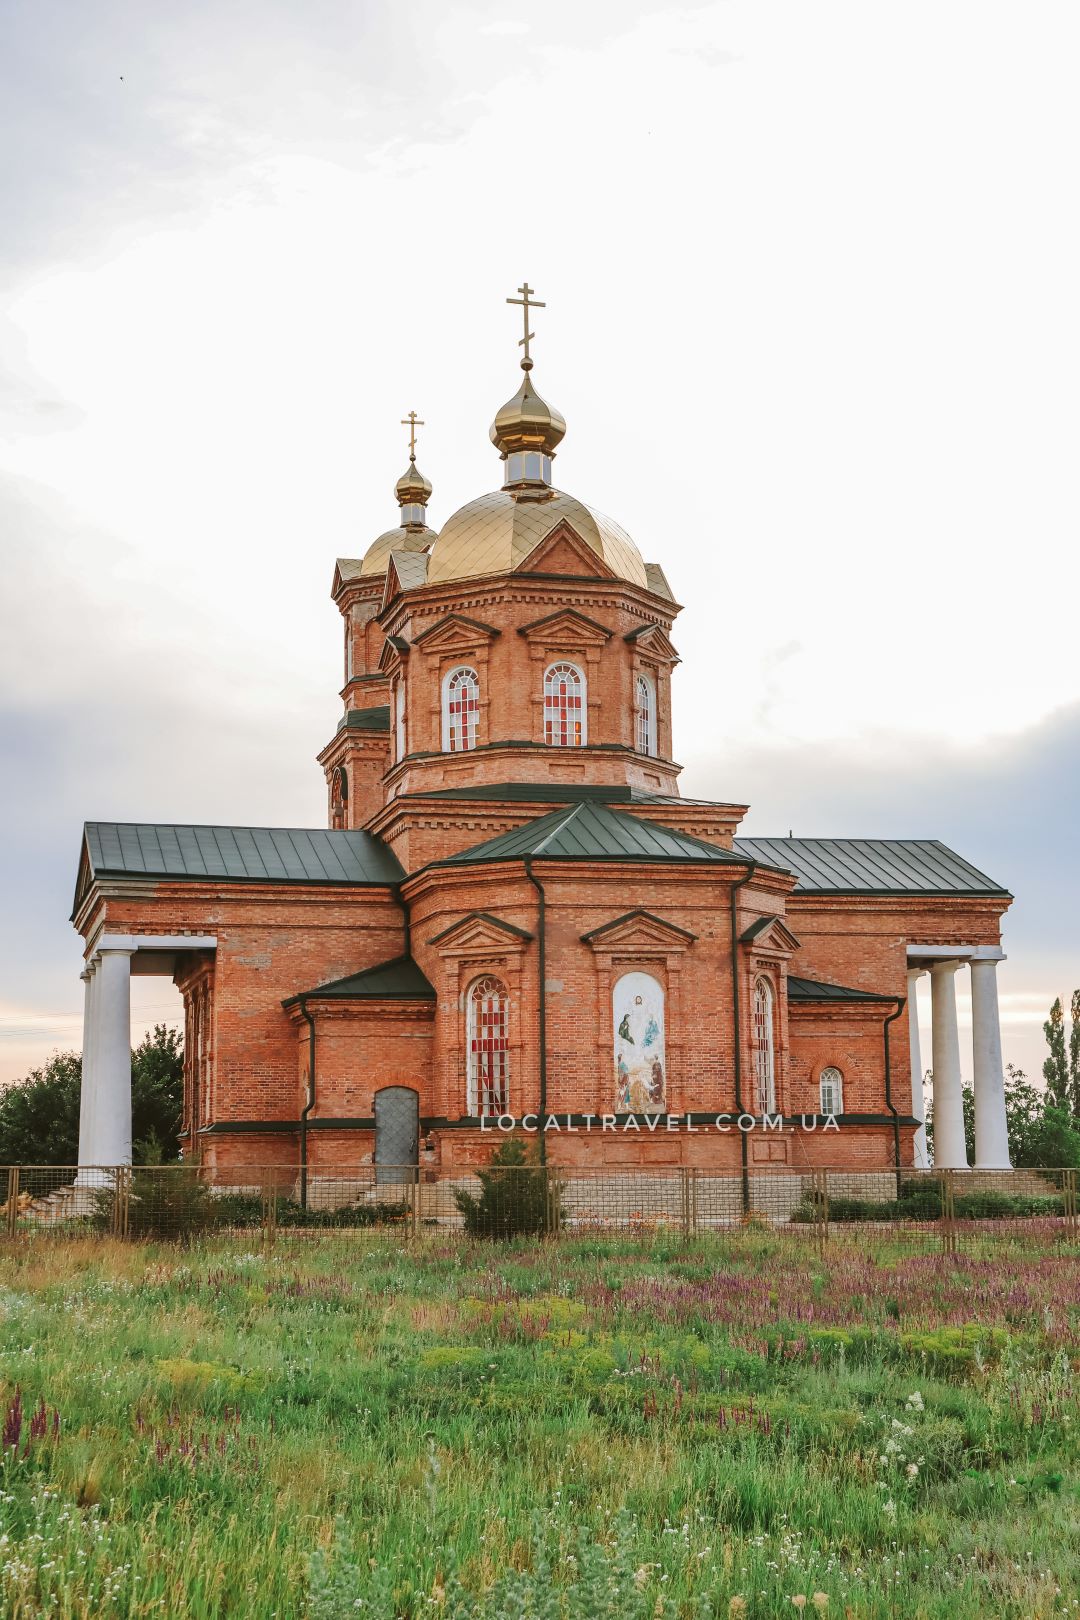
946, 964
105, 948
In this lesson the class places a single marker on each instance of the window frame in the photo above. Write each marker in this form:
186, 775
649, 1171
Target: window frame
399, 719
645, 739
764, 1024
496, 1081
568, 666
830, 1070
471, 732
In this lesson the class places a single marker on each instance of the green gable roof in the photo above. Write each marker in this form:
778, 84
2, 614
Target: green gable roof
870, 865
398, 980
815, 990
591, 832
235, 854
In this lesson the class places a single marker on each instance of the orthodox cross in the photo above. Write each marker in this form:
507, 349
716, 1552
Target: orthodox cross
412, 422
527, 302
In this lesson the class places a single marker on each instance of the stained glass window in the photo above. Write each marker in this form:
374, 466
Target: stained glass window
564, 706
461, 710
489, 1048
646, 716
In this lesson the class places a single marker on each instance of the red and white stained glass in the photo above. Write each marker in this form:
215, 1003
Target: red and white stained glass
462, 710
564, 706
489, 1048
764, 1069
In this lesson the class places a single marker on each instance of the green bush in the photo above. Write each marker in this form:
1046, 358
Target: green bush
921, 1201
514, 1199
169, 1202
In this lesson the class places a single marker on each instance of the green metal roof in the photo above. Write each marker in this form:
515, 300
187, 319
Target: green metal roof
591, 832
557, 793
234, 854
398, 980
815, 990
870, 865
376, 719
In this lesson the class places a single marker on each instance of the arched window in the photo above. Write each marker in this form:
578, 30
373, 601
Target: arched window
645, 717
339, 796
564, 706
764, 1059
488, 1047
399, 717
637, 1009
460, 709
832, 1091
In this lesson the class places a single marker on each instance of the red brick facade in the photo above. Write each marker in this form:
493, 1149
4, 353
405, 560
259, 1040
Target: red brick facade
250, 1004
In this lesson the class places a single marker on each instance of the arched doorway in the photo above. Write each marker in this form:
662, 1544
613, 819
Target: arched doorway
397, 1136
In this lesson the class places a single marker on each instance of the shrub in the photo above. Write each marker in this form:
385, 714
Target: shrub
515, 1199
171, 1202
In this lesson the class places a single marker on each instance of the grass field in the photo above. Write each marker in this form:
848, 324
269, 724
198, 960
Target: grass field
599, 1428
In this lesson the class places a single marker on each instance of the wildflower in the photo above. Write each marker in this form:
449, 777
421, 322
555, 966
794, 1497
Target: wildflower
912, 1470
915, 1402
820, 1600
641, 1575
799, 1601
736, 1605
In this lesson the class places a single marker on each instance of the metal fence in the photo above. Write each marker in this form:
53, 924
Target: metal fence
947, 1210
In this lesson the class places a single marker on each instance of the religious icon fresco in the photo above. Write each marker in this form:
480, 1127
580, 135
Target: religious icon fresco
640, 1055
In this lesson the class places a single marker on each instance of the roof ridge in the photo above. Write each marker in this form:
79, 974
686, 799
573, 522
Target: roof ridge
566, 819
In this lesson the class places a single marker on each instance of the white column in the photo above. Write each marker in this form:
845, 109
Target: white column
112, 1056
87, 1082
918, 1106
950, 1150
991, 1129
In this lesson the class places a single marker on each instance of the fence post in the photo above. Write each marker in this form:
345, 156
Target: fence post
121, 1200
415, 1209
1068, 1191
821, 1205
13, 1201
948, 1214
269, 1212
552, 1201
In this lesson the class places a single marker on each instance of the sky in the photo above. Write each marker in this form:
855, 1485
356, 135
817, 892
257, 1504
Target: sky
810, 275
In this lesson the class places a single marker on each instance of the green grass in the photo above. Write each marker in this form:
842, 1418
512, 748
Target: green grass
374, 1426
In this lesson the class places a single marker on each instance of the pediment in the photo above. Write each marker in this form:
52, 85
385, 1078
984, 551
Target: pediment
563, 551
455, 633
479, 933
567, 625
395, 650
639, 930
770, 935
654, 640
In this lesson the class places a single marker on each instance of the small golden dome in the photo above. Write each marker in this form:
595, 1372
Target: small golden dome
412, 488
377, 556
494, 535
527, 422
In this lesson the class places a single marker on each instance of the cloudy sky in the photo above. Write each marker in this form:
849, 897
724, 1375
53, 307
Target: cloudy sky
811, 272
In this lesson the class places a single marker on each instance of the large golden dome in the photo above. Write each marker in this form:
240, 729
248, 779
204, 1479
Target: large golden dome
494, 535
376, 558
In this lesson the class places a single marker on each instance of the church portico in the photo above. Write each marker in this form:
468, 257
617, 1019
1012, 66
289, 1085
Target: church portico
991, 1129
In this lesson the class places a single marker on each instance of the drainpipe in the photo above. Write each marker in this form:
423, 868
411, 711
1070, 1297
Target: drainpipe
735, 1002
309, 1105
541, 945
900, 1003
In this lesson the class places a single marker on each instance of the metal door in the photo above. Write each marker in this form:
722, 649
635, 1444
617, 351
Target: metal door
397, 1136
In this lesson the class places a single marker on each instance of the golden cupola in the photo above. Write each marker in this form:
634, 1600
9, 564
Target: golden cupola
527, 429
413, 491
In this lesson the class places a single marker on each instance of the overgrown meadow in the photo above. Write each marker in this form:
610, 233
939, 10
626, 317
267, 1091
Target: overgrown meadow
609, 1427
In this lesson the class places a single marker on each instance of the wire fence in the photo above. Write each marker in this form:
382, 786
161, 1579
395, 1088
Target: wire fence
946, 1210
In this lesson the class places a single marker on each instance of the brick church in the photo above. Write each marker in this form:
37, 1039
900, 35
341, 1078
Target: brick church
513, 919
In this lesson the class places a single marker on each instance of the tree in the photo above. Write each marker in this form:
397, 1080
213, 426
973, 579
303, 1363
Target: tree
1055, 1067
39, 1116
514, 1199
1042, 1135
1074, 1053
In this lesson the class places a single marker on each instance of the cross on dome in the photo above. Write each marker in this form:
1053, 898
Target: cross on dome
412, 422
527, 302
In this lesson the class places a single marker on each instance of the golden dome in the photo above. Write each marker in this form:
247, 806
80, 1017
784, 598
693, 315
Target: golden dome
377, 556
527, 422
412, 488
494, 535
